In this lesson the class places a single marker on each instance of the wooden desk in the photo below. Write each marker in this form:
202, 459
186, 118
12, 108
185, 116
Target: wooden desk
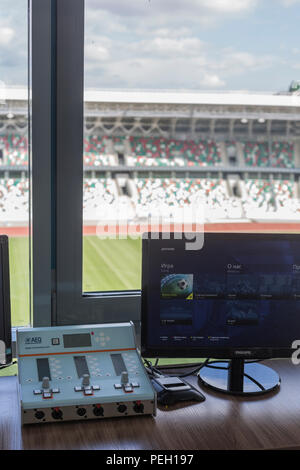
221, 422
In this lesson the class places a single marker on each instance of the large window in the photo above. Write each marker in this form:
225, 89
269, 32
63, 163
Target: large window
14, 151
185, 103
154, 109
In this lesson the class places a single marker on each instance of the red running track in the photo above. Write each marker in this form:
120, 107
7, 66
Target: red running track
218, 227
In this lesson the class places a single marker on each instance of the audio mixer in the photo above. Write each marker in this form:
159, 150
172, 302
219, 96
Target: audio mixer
82, 372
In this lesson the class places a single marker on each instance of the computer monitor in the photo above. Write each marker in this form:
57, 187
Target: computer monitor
236, 298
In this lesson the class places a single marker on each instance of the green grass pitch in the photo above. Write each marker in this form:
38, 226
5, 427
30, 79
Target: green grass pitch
111, 264
107, 265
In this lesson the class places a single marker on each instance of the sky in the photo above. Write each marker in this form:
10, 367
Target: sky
206, 45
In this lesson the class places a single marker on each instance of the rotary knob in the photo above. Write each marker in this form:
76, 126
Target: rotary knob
85, 380
46, 383
124, 378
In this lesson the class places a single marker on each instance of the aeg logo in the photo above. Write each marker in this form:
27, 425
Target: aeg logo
33, 340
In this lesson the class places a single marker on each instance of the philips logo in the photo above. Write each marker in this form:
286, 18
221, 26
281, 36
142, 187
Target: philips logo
33, 340
243, 353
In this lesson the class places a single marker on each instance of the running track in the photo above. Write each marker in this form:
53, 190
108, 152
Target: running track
219, 227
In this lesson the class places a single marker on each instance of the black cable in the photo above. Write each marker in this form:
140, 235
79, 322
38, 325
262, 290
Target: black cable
180, 366
217, 367
206, 363
190, 372
194, 371
199, 366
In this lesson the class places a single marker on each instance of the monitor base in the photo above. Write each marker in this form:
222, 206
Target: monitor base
239, 378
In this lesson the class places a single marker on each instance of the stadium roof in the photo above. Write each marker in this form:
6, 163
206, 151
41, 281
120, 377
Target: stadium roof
172, 97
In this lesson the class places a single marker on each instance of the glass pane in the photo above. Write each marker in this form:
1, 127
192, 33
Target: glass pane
14, 182
186, 103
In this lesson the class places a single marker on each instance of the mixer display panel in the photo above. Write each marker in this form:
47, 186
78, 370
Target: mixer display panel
82, 340
82, 372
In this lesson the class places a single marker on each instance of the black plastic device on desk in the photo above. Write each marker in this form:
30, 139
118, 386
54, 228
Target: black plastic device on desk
171, 390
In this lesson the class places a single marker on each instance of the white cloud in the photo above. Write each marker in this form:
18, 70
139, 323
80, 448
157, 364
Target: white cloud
212, 81
13, 42
288, 3
156, 44
170, 47
227, 6
6, 35
97, 48
138, 8
180, 62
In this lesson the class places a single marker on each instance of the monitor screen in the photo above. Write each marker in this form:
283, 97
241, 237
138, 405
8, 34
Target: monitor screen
238, 294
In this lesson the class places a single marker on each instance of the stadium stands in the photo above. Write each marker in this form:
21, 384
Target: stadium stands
256, 154
281, 154
153, 196
265, 197
14, 200
98, 195
148, 151
103, 197
14, 149
96, 152
163, 194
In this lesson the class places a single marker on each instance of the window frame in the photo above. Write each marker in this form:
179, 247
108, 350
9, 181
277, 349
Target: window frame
57, 109
41, 75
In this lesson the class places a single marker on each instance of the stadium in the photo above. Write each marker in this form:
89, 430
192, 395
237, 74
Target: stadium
236, 153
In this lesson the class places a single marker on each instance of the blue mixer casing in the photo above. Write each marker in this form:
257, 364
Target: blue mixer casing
82, 372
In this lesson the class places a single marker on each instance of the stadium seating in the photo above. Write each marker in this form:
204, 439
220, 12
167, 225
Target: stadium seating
171, 152
95, 152
118, 141
265, 196
15, 150
162, 194
14, 200
147, 195
150, 151
99, 195
256, 154
281, 154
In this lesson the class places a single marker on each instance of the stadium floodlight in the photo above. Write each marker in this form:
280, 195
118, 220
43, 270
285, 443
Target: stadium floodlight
244, 121
261, 120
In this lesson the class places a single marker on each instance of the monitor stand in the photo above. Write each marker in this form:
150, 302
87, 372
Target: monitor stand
238, 377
